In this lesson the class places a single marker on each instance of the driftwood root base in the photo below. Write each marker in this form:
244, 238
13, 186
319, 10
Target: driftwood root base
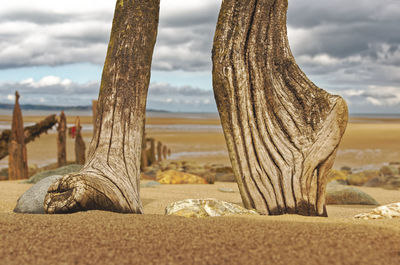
85, 191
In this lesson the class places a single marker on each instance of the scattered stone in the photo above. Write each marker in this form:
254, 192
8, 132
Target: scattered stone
386, 182
360, 178
338, 175
59, 171
151, 184
383, 212
206, 208
32, 200
375, 182
145, 176
221, 169
340, 194
389, 171
346, 169
226, 190
176, 177
209, 177
225, 177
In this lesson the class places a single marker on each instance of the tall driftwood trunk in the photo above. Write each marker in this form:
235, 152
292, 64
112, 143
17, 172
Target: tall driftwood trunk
282, 131
17, 157
110, 178
80, 147
62, 140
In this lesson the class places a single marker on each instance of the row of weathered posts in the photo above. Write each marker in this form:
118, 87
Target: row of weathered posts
153, 151
80, 147
13, 143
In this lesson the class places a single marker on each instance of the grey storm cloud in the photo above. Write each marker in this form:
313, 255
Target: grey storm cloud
344, 46
52, 90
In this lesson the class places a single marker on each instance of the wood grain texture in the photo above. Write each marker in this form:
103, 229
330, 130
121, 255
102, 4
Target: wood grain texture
282, 131
110, 178
17, 158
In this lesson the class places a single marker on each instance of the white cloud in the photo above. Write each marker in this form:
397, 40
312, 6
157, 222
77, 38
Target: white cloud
10, 97
374, 101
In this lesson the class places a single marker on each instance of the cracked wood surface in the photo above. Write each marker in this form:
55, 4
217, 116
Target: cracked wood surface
110, 178
282, 131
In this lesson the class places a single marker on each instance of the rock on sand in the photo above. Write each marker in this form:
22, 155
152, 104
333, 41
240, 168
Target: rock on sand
59, 171
176, 177
206, 208
32, 200
383, 212
340, 194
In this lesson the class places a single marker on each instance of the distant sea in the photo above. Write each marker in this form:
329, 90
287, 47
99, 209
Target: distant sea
155, 113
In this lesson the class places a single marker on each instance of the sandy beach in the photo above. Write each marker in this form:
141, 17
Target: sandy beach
152, 238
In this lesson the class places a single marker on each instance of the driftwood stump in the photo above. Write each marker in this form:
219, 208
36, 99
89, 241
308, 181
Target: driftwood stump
62, 140
17, 158
110, 178
30, 133
80, 147
282, 131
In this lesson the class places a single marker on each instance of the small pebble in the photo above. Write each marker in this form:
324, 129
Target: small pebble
151, 184
226, 190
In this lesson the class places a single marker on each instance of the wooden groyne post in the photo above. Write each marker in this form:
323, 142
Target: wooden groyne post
17, 159
80, 147
62, 140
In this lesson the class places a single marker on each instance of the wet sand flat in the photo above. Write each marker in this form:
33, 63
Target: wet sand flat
367, 141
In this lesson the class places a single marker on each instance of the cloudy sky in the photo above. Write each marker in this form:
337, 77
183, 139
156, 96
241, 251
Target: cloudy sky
53, 51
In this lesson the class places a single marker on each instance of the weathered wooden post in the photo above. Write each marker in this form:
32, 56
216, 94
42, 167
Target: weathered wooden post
62, 140
17, 156
159, 151
282, 131
169, 152
165, 152
152, 151
80, 147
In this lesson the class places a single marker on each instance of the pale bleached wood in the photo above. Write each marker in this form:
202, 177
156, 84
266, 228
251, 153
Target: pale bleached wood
282, 131
110, 178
